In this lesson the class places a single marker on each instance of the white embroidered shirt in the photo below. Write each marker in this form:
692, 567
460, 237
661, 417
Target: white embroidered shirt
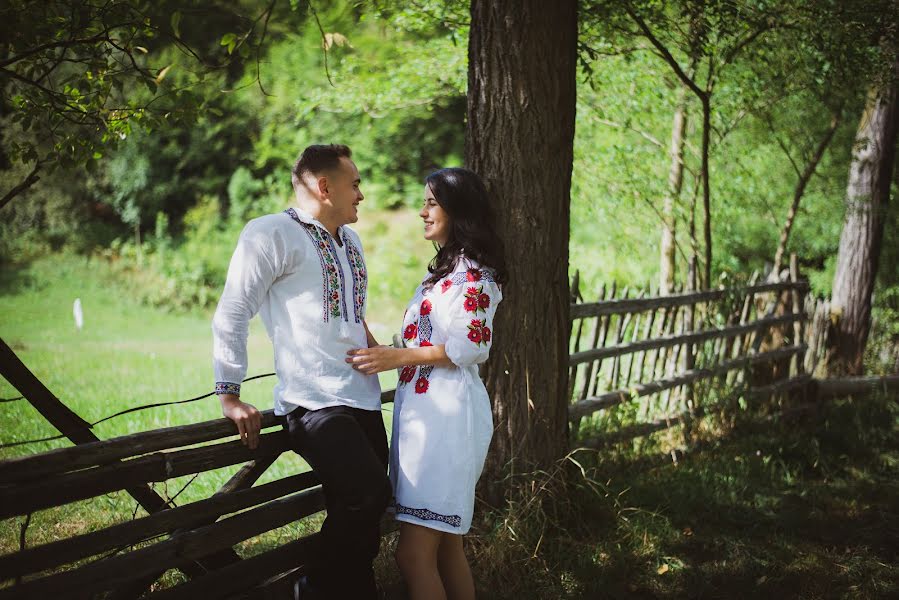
310, 291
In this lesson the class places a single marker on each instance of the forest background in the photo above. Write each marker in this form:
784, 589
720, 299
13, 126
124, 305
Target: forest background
163, 202
133, 205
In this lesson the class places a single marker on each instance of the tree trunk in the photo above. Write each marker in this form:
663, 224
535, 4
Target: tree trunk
804, 178
867, 196
519, 138
706, 192
675, 184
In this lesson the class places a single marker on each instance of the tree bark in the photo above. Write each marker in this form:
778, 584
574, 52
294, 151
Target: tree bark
867, 196
706, 191
519, 138
675, 184
799, 191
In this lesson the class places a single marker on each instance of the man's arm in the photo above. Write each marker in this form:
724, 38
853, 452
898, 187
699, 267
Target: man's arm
250, 276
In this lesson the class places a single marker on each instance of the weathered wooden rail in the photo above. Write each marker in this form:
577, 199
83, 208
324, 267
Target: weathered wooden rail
669, 345
660, 356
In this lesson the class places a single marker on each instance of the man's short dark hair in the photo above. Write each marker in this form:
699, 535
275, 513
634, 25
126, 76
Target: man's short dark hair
318, 158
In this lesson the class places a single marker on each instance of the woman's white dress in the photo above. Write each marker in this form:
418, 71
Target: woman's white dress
442, 422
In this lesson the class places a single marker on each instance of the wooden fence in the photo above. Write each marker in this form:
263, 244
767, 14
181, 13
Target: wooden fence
682, 356
657, 356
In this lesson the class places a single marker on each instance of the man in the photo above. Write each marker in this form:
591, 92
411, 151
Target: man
304, 272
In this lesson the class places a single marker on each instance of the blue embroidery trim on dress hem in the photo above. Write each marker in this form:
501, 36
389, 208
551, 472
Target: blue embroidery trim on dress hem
428, 515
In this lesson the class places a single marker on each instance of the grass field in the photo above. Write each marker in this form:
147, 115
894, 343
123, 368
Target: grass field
126, 355
802, 509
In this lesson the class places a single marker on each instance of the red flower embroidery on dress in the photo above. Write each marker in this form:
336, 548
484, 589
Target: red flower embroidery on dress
478, 332
407, 374
473, 274
476, 300
411, 330
447, 284
421, 386
426, 307
425, 343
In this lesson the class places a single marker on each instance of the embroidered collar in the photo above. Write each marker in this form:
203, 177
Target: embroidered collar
307, 218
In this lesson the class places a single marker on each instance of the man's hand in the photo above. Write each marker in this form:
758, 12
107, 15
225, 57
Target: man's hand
246, 416
374, 360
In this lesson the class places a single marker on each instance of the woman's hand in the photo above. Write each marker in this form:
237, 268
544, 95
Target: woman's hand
375, 360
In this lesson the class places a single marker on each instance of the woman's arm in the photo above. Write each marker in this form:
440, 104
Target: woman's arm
372, 342
384, 358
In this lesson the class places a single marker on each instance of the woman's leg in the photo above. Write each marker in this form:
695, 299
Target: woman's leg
416, 556
454, 570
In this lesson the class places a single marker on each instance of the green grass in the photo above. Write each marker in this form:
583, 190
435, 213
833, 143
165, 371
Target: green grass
126, 355
798, 509
806, 509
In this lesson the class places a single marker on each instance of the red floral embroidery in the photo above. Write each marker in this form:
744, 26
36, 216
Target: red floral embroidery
407, 374
425, 343
426, 307
421, 386
411, 330
476, 300
478, 332
447, 284
473, 275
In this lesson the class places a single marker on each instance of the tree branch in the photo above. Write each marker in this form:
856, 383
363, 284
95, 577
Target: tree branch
26, 183
666, 55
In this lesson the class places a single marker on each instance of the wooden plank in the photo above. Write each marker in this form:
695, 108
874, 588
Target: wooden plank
604, 335
698, 336
98, 452
46, 556
846, 386
245, 477
71, 425
24, 498
236, 580
778, 387
113, 572
580, 311
608, 399
102, 452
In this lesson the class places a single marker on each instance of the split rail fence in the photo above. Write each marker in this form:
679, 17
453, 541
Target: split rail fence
667, 352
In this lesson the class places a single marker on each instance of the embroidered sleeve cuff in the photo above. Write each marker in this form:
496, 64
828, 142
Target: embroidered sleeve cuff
225, 387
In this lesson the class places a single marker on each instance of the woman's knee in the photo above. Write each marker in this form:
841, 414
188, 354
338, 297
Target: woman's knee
415, 553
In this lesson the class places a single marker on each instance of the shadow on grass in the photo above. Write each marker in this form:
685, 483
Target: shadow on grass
805, 509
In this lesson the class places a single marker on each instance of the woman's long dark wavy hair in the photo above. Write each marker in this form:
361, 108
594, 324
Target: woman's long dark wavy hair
462, 195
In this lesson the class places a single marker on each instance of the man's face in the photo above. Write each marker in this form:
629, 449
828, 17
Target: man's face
344, 193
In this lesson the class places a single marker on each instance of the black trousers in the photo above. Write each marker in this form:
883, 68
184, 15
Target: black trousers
347, 449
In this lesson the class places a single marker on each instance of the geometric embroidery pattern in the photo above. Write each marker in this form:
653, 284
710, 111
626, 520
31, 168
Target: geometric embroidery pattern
360, 277
428, 515
332, 274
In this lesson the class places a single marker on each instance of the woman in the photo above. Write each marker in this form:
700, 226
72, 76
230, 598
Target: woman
442, 422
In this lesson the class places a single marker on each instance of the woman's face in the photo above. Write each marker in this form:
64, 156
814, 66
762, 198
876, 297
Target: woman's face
437, 222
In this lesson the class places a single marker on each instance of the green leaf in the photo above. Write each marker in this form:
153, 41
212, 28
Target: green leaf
176, 23
229, 40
